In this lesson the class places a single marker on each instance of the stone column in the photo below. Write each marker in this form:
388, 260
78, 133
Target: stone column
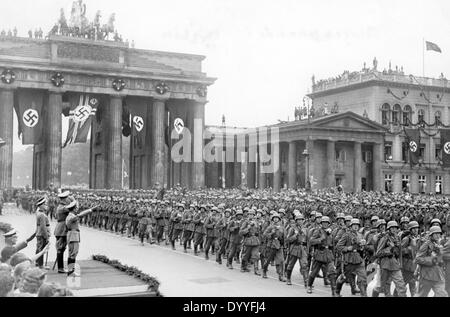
52, 139
261, 174
237, 174
397, 182
331, 158
445, 118
198, 165
292, 165
6, 133
157, 162
357, 167
113, 138
309, 164
377, 172
397, 149
446, 183
414, 182
276, 167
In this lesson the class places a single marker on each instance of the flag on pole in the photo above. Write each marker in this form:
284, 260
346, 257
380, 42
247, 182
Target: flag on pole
413, 138
433, 47
445, 146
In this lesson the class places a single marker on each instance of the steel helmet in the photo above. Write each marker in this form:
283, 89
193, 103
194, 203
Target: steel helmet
348, 218
275, 215
374, 218
381, 222
355, 222
325, 219
413, 224
340, 215
318, 215
299, 216
435, 220
313, 213
435, 230
391, 224
404, 219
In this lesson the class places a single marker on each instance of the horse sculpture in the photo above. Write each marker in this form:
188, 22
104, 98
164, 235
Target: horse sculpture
108, 28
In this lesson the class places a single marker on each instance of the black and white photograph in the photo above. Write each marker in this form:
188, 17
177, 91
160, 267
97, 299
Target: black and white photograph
238, 150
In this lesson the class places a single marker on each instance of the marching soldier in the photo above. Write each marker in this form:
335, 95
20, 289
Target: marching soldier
389, 251
198, 221
352, 245
235, 238
176, 224
430, 260
144, 223
211, 234
223, 234
296, 237
409, 240
250, 232
160, 222
323, 258
274, 234
188, 228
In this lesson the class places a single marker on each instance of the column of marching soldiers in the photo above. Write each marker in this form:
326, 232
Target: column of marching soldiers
338, 247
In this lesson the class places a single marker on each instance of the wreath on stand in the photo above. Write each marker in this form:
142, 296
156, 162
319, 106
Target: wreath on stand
8, 76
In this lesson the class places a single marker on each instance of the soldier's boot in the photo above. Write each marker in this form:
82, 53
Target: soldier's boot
185, 246
244, 266
70, 266
206, 256
256, 268
333, 287
363, 289
310, 284
213, 249
264, 274
354, 290
326, 281
339, 288
280, 273
60, 262
218, 258
288, 277
195, 250
375, 292
173, 244
230, 264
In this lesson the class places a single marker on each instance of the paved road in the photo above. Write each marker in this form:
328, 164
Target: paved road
180, 274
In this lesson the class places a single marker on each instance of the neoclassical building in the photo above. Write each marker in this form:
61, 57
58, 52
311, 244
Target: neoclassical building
356, 138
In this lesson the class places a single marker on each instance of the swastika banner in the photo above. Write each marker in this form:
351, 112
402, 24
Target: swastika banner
28, 106
445, 147
413, 139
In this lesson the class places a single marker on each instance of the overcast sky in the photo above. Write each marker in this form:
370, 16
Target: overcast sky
265, 52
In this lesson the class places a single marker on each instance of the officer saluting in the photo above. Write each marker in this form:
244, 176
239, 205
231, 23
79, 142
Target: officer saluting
73, 233
60, 229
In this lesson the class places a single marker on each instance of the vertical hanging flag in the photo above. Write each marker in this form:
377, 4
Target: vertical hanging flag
413, 139
28, 108
445, 146
433, 47
81, 119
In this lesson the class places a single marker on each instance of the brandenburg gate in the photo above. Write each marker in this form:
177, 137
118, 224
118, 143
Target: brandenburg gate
40, 78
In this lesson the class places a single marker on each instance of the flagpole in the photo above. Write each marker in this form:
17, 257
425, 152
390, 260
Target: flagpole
423, 57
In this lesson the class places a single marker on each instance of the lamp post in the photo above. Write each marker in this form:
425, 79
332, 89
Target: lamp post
305, 153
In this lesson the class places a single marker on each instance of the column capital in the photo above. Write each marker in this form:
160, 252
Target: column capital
161, 98
56, 91
117, 95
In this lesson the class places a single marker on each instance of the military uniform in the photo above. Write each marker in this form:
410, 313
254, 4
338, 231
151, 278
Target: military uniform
274, 234
250, 231
296, 237
60, 233
235, 239
42, 234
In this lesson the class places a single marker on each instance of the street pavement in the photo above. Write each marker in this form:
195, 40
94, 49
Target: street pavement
180, 274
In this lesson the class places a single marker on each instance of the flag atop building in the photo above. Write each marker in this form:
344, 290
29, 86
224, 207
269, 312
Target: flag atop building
433, 47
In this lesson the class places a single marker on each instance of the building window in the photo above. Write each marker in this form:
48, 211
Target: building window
422, 151
396, 114
405, 152
437, 117
437, 151
385, 109
387, 151
438, 186
341, 155
388, 183
407, 112
422, 184
421, 116
367, 157
405, 183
